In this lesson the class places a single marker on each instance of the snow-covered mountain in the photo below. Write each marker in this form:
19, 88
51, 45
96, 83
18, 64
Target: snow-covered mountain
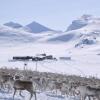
91, 30
35, 27
86, 31
87, 34
82, 21
11, 36
13, 25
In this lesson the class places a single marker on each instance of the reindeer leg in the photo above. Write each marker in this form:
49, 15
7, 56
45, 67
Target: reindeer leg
98, 97
56, 91
84, 97
33, 92
9, 88
35, 95
89, 97
14, 93
21, 94
2, 85
31, 95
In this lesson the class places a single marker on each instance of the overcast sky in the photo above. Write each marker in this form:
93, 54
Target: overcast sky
56, 14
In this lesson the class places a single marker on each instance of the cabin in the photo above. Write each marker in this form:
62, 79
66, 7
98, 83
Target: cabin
65, 58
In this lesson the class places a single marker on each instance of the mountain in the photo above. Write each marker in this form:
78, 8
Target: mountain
15, 33
12, 35
80, 22
86, 35
13, 25
35, 27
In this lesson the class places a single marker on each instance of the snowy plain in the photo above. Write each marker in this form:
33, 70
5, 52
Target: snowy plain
84, 61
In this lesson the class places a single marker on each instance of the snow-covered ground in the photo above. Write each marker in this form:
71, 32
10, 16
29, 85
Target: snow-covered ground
4, 95
84, 61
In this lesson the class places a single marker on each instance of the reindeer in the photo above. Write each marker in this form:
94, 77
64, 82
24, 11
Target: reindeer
5, 80
65, 89
24, 85
55, 86
41, 82
87, 91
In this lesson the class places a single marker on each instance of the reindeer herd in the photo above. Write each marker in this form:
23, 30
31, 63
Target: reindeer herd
32, 81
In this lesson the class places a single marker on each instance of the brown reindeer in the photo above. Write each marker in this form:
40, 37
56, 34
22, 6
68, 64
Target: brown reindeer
24, 85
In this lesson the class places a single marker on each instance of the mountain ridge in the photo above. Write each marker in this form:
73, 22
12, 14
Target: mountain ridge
35, 27
13, 24
86, 35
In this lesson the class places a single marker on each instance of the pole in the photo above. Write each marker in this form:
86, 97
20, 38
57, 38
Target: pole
25, 69
36, 66
25, 66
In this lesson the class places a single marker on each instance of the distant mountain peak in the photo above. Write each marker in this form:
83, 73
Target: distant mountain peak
86, 17
13, 24
35, 27
34, 22
81, 22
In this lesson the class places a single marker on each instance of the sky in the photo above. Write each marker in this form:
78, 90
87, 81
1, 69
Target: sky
55, 14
